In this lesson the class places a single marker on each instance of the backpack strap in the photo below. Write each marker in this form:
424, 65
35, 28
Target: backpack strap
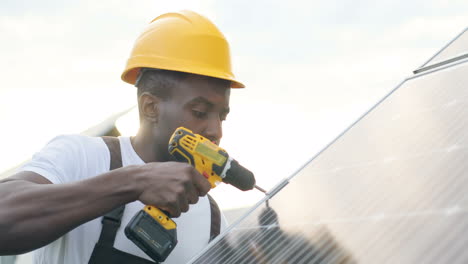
215, 218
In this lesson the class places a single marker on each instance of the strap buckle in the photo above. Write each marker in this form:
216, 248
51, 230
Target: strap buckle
114, 216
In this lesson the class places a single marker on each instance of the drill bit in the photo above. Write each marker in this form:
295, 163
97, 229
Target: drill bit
260, 189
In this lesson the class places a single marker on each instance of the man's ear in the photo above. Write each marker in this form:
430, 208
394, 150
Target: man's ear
149, 107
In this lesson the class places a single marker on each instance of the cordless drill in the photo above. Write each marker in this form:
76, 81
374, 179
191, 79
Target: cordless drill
151, 229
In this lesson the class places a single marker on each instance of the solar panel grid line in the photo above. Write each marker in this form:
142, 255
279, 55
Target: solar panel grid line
324, 249
369, 242
375, 239
338, 258
458, 188
408, 234
275, 244
368, 237
410, 157
288, 254
461, 254
410, 238
217, 257
389, 216
273, 240
252, 228
236, 223
241, 250
315, 256
435, 254
261, 234
344, 259
352, 214
390, 159
291, 242
363, 234
243, 242
427, 247
423, 205
255, 255
458, 182
331, 254
223, 252
440, 199
464, 199
304, 253
325, 241
250, 255
448, 247
213, 254
363, 192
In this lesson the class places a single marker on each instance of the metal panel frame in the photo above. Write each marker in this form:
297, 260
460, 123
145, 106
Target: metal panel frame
427, 66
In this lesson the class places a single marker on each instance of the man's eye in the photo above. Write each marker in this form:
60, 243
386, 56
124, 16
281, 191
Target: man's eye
199, 114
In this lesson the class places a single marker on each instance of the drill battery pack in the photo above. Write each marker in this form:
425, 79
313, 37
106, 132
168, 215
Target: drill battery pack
153, 232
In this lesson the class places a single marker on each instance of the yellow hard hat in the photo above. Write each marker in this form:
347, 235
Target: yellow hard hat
184, 41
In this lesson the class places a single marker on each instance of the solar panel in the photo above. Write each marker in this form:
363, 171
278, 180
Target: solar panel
391, 189
453, 51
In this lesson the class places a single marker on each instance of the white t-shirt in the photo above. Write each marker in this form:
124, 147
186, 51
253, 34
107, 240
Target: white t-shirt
75, 157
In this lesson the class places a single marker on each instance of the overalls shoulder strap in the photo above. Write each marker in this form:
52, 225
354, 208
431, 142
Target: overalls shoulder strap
215, 218
104, 251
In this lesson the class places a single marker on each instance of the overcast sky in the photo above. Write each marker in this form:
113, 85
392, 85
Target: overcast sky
310, 67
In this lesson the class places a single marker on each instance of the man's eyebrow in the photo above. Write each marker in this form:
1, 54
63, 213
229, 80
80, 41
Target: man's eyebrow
200, 100
208, 103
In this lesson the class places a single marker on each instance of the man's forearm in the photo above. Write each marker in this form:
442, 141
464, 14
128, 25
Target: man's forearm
33, 215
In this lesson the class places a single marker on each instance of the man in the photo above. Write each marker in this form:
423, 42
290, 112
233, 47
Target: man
181, 67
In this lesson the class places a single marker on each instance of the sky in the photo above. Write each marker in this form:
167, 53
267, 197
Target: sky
311, 69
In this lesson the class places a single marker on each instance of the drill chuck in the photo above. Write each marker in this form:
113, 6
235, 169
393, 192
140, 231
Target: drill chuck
239, 177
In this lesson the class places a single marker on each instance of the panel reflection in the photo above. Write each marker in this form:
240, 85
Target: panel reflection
266, 242
392, 189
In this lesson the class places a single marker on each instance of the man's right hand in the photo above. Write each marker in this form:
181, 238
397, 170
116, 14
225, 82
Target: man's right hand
30, 203
171, 186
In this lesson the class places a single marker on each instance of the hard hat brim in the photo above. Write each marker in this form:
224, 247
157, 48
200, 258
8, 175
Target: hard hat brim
130, 76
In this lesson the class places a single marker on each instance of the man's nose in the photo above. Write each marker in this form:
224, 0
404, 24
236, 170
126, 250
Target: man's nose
214, 129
